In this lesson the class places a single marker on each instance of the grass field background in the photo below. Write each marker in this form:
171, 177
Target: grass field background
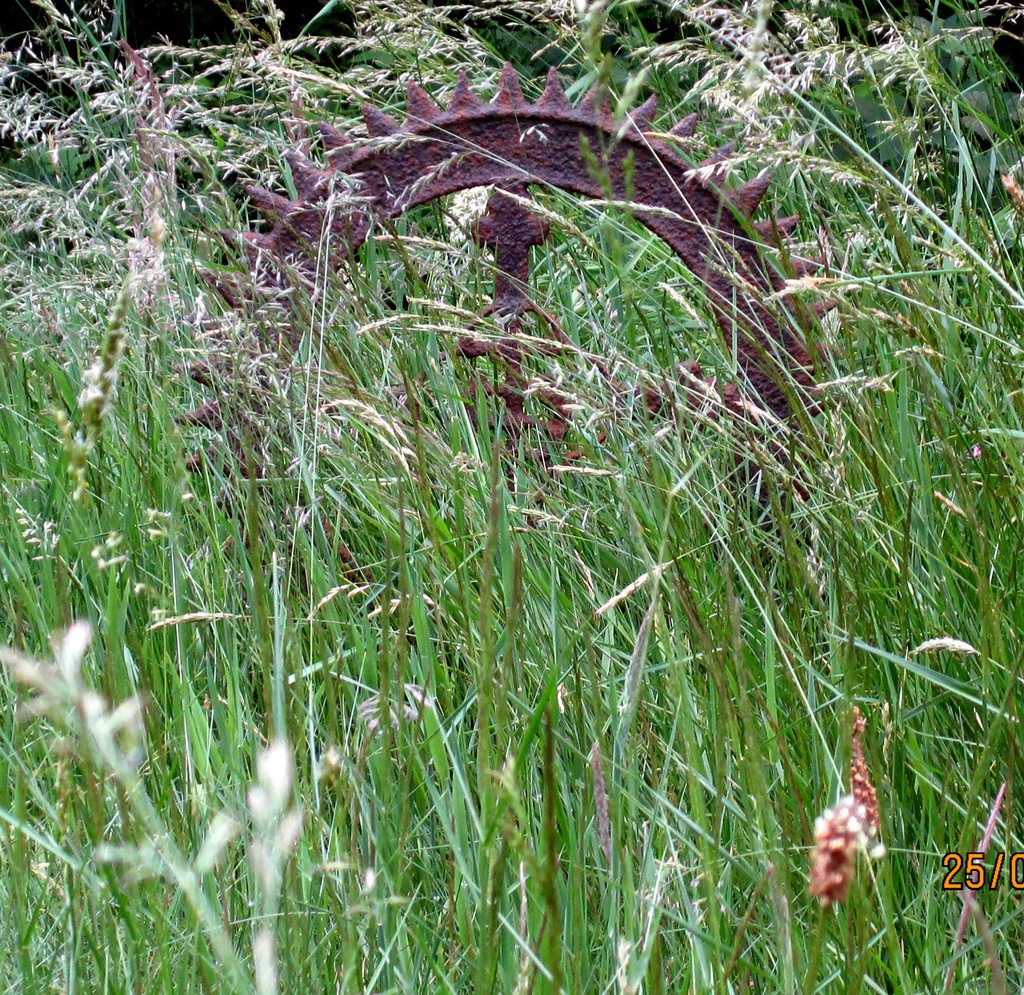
434, 763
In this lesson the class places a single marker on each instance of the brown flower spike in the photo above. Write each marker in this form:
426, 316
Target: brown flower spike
849, 826
838, 834
861, 787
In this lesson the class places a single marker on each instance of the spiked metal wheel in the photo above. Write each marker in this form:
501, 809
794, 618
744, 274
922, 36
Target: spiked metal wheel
511, 144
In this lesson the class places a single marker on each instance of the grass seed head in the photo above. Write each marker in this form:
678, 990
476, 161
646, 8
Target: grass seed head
1016, 193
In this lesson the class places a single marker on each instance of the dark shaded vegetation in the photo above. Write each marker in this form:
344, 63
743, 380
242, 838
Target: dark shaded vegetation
189, 22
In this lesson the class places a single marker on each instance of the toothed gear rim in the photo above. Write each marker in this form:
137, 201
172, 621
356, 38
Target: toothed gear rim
512, 144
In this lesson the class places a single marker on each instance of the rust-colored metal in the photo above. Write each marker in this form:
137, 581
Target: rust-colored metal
511, 231
511, 145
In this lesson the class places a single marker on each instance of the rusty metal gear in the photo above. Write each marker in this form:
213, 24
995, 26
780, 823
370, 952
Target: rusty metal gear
510, 145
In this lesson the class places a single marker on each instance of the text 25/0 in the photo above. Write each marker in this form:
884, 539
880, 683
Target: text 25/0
975, 874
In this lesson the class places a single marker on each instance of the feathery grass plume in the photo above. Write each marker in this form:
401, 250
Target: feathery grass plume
997, 975
464, 208
633, 683
157, 162
626, 980
947, 644
95, 398
1015, 192
276, 829
110, 738
417, 699
54, 688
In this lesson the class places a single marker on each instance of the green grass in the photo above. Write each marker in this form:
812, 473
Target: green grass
446, 688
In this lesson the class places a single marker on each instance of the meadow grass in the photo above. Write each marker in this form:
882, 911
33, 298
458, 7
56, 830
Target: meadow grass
441, 761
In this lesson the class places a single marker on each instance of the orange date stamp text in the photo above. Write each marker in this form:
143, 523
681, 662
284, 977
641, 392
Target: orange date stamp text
976, 871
